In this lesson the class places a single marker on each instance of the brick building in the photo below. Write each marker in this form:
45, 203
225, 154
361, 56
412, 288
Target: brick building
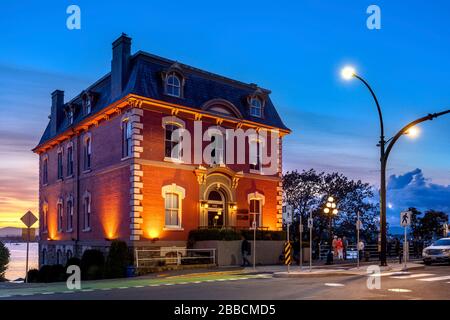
108, 169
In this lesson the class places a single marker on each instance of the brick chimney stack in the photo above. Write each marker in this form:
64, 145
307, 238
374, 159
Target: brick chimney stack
121, 51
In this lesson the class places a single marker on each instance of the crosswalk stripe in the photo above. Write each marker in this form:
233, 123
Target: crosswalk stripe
398, 273
411, 276
435, 278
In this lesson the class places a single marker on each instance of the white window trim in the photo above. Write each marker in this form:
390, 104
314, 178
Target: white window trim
180, 84
171, 120
126, 119
69, 198
181, 192
44, 159
60, 226
257, 196
45, 217
87, 194
87, 137
70, 145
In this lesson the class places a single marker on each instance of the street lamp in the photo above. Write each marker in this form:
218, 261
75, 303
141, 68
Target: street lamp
349, 73
331, 210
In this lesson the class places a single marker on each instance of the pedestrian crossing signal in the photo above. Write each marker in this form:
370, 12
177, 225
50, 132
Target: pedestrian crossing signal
287, 253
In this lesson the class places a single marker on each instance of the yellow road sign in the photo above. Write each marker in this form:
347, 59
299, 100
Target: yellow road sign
287, 253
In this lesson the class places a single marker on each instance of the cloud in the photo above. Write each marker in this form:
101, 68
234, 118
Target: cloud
412, 189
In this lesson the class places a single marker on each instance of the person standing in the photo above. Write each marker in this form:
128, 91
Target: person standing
333, 245
340, 248
245, 251
360, 249
345, 246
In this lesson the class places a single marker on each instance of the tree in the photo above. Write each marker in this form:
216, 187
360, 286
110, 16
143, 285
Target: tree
432, 223
4, 260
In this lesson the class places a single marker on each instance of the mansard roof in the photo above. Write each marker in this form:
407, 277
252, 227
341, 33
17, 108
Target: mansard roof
145, 78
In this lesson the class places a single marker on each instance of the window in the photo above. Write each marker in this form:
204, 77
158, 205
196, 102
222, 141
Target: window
45, 171
87, 105
60, 215
218, 153
44, 218
70, 116
255, 212
69, 215
60, 165
87, 212
87, 153
44, 256
58, 256
172, 210
173, 196
255, 155
171, 141
173, 85
126, 138
70, 161
256, 107
69, 254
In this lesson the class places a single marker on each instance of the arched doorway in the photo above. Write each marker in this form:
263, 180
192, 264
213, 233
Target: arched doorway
217, 209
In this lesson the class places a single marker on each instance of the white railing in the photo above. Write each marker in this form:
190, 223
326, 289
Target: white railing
173, 256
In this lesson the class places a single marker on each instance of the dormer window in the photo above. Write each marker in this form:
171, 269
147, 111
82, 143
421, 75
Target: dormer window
70, 116
87, 105
256, 107
173, 85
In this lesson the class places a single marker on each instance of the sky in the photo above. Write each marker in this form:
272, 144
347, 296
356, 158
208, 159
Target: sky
294, 48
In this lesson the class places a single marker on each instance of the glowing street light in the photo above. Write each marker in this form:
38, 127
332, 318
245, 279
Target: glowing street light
330, 209
348, 72
385, 146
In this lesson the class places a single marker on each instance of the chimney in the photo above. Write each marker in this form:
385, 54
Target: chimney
121, 51
57, 111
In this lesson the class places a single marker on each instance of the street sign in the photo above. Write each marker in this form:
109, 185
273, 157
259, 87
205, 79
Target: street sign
288, 210
310, 223
287, 253
29, 219
405, 218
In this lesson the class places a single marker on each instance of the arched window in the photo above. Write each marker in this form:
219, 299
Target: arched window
255, 155
44, 256
171, 141
87, 152
60, 212
44, 217
87, 211
127, 134
70, 214
58, 256
256, 202
173, 85
173, 196
256, 107
45, 170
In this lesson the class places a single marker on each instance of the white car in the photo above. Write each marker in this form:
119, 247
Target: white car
439, 251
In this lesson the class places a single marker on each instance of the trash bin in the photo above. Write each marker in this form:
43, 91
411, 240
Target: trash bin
131, 271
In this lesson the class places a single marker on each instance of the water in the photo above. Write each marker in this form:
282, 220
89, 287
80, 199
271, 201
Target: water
17, 259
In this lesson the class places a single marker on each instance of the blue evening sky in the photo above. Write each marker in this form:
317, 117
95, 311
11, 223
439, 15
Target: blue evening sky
294, 48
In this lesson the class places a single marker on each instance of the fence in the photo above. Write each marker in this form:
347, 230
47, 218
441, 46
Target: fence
173, 256
371, 250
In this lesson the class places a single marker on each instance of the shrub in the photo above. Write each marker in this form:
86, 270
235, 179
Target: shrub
92, 265
33, 275
117, 260
73, 262
214, 234
4, 260
49, 273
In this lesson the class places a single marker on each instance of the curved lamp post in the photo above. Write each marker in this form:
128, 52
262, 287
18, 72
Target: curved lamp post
348, 73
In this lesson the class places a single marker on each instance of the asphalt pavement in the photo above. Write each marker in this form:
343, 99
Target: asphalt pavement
430, 282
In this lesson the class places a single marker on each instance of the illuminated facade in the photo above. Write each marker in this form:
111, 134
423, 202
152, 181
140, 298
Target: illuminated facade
108, 171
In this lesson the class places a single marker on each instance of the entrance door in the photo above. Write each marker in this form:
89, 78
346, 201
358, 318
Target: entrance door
216, 212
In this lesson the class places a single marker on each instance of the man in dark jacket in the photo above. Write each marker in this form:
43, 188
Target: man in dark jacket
246, 252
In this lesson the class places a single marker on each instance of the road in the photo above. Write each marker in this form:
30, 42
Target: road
432, 282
